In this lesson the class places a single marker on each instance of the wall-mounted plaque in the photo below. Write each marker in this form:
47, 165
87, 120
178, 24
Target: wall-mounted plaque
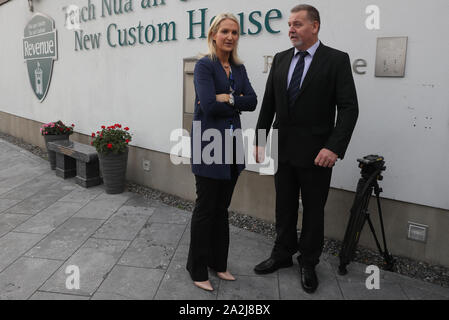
390, 57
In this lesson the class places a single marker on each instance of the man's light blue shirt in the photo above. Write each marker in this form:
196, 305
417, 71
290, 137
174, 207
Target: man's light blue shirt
307, 61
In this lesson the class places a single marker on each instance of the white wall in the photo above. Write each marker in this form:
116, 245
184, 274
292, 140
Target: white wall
141, 86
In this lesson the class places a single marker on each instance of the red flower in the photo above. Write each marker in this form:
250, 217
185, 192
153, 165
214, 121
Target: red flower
126, 128
109, 146
103, 127
93, 135
127, 140
73, 125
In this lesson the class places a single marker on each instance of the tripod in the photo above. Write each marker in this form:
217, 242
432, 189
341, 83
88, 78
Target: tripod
371, 166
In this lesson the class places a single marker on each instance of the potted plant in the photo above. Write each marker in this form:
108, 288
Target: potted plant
55, 131
111, 144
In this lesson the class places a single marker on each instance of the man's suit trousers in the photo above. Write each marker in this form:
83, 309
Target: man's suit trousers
313, 183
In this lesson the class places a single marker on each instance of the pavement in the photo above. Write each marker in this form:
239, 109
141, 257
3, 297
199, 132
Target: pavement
127, 247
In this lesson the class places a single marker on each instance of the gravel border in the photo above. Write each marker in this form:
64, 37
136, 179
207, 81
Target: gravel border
415, 269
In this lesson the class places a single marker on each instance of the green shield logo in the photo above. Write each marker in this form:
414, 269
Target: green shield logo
40, 49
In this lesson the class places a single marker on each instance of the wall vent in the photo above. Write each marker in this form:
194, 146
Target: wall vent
417, 232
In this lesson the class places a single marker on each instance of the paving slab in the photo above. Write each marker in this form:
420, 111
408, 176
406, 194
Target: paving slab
177, 284
7, 203
42, 295
291, 289
13, 245
66, 239
129, 283
246, 252
25, 276
50, 218
9, 221
409, 284
83, 195
353, 287
414, 292
131, 247
249, 288
138, 200
154, 246
95, 260
4, 190
31, 187
124, 224
100, 209
18, 174
167, 214
42, 200
123, 197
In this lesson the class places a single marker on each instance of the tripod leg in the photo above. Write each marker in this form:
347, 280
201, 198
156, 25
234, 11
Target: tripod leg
374, 234
389, 261
355, 225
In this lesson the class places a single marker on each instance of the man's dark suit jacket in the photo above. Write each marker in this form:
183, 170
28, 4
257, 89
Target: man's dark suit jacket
310, 124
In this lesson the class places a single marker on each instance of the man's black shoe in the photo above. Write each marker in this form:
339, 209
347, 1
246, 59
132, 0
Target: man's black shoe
309, 280
271, 265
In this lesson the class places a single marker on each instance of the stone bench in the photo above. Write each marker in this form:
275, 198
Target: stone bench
76, 159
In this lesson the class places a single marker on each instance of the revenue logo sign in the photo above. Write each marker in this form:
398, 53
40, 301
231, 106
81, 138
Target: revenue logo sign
40, 49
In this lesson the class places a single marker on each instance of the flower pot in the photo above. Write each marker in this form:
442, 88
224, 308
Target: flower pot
113, 168
51, 154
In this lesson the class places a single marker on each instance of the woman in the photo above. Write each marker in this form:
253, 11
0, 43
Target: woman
222, 92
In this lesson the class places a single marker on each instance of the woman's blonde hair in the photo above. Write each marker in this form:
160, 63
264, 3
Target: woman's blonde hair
213, 31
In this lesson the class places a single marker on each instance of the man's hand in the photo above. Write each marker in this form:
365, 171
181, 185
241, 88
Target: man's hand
259, 154
326, 158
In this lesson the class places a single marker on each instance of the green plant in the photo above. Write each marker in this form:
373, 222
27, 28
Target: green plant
56, 128
112, 139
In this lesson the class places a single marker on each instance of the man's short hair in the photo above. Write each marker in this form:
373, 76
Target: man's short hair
312, 12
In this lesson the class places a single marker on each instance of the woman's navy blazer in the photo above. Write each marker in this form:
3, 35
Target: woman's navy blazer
210, 79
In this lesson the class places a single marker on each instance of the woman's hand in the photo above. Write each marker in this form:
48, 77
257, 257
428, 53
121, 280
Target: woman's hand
223, 97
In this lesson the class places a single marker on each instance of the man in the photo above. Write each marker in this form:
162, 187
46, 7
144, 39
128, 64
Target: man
307, 84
